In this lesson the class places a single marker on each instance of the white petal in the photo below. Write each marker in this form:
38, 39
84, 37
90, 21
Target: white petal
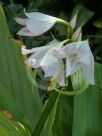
25, 32
68, 67
51, 69
50, 64
40, 16
84, 53
89, 71
25, 51
59, 53
61, 77
71, 48
39, 54
79, 50
72, 66
39, 27
30, 62
21, 21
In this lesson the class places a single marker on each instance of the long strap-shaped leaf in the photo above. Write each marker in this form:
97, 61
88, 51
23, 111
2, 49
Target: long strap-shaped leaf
88, 109
13, 77
45, 114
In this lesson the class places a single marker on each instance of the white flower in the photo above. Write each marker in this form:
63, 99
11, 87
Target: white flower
43, 57
78, 56
36, 23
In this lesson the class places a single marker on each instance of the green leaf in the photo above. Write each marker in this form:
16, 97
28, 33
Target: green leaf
98, 75
64, 117
10, 104
79, 84
4, 31
45, 114
98, 23
87, 118
79, 81
87, 113
83, 15
47, 131
12, 128
14, 78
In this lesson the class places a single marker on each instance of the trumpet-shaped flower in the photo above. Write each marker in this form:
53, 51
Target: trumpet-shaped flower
36, 23
43, 57
78, 56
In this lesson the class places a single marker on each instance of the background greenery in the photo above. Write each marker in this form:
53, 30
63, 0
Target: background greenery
70, 116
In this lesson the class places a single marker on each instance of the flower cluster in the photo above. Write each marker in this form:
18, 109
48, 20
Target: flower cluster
50, 57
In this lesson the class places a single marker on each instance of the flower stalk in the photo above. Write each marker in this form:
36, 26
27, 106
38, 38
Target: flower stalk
69, 27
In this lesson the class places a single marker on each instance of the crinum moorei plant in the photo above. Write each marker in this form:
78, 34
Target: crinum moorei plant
51, 57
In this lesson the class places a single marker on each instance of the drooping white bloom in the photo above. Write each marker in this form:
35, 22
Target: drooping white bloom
78, 56
36, 23
43, 57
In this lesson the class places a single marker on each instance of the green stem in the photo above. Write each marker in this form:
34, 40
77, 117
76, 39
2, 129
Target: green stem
69, 28
71, 93
67, 40
45, 114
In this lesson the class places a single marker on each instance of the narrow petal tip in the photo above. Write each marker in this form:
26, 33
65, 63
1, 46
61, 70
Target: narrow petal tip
25, 32
24, 50
21, 21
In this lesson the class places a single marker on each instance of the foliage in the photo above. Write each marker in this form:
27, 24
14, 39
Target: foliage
59, 115
11, 128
